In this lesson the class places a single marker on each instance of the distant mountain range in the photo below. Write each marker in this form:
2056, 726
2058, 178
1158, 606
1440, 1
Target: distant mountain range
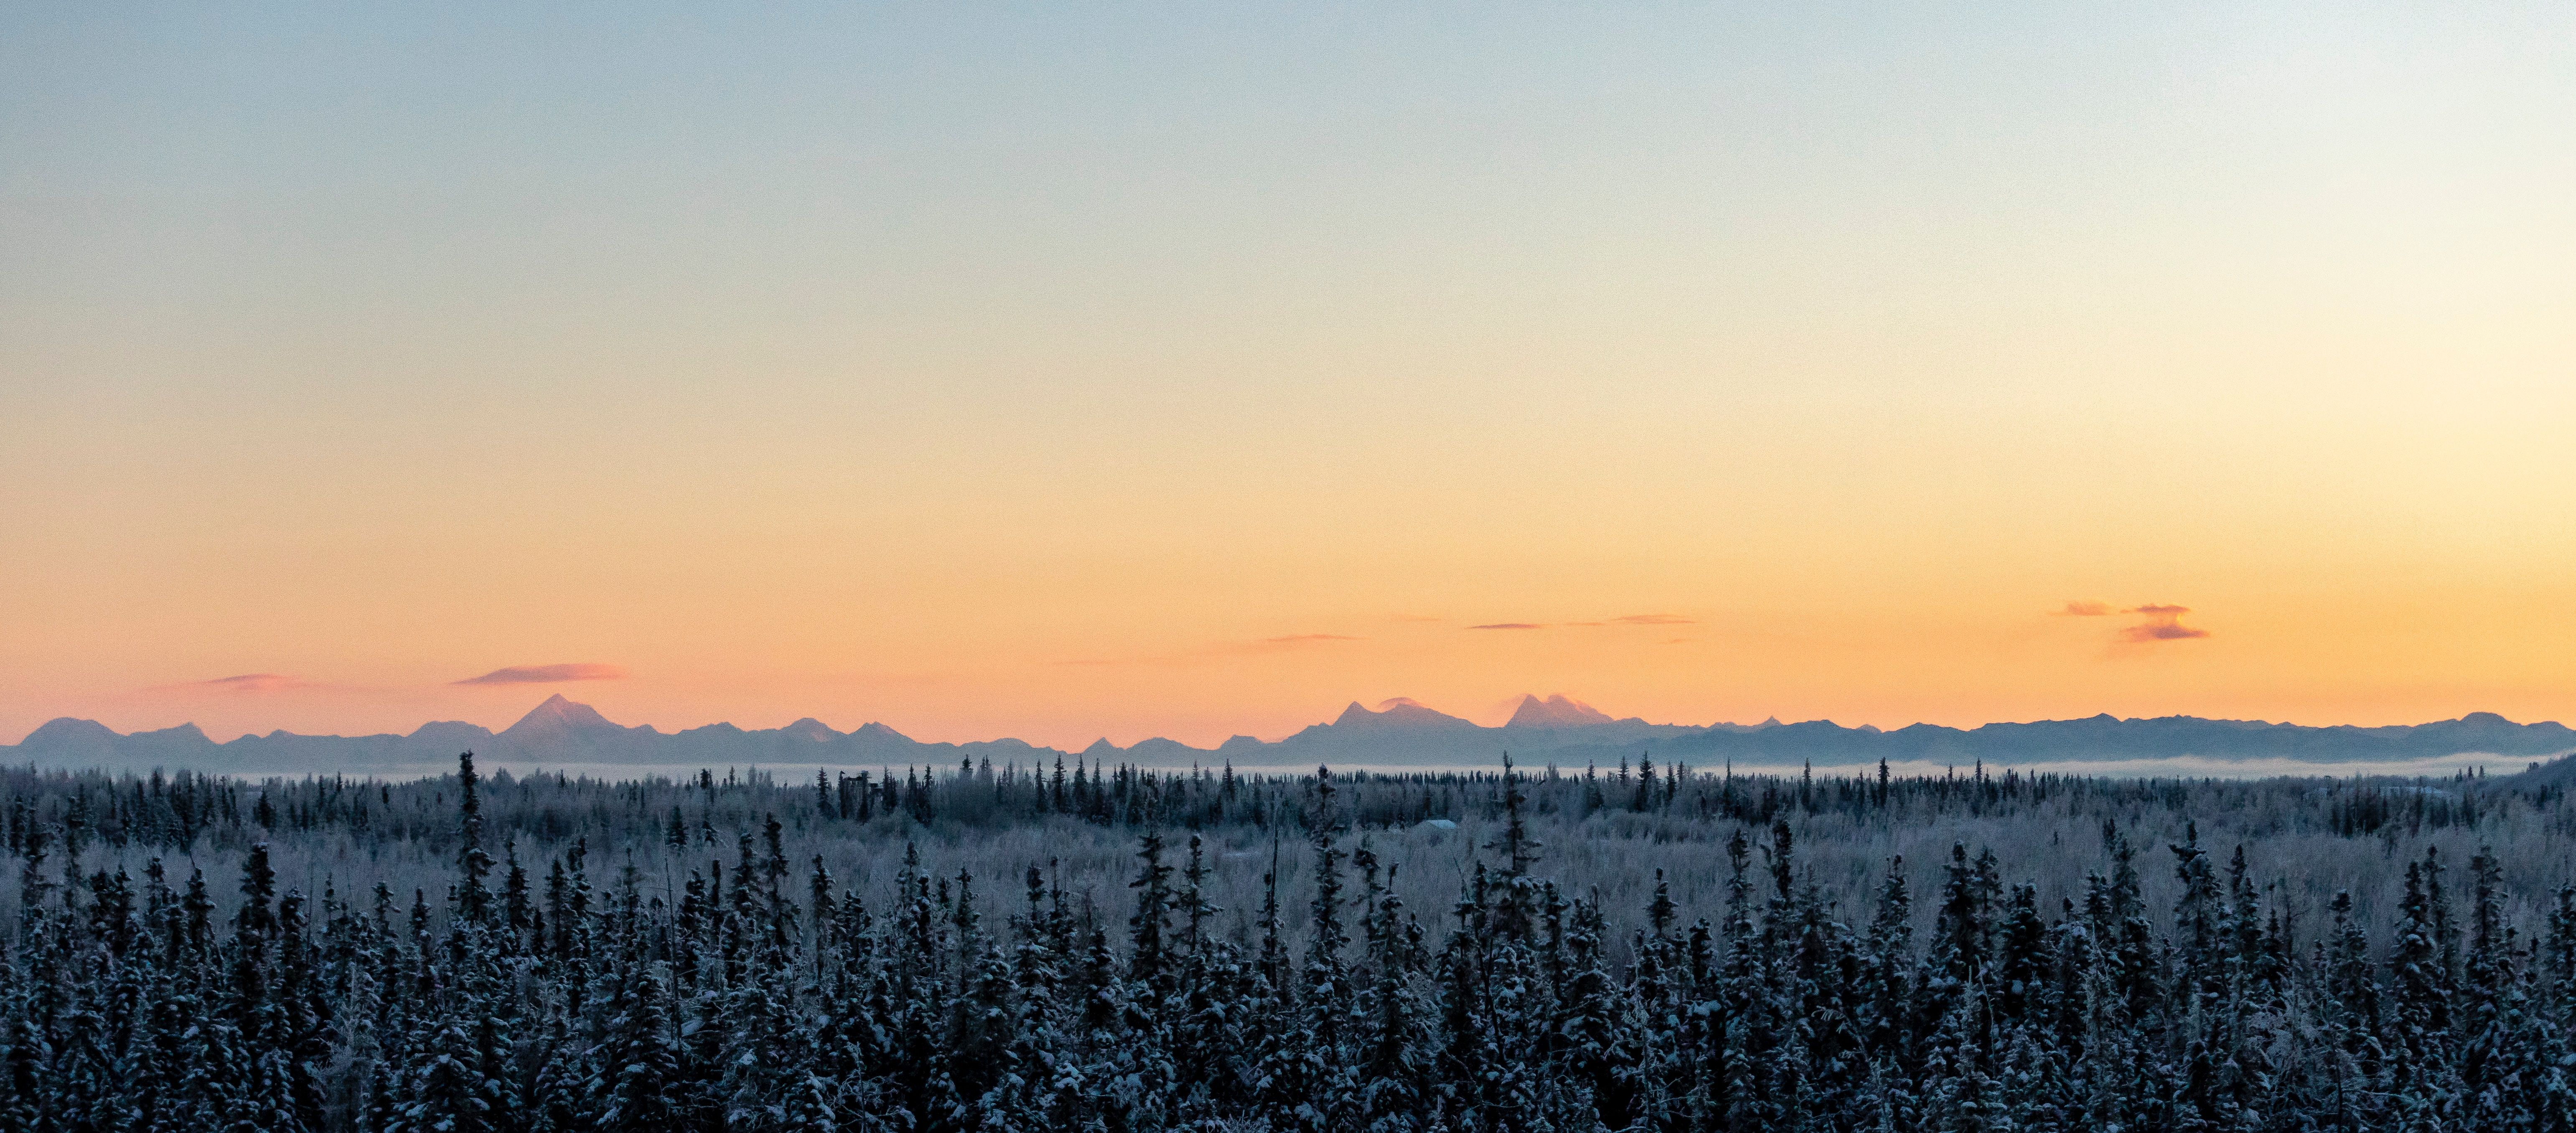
1396, 733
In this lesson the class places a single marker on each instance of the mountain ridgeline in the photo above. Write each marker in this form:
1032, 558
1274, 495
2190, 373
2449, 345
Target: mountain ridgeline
1398, 733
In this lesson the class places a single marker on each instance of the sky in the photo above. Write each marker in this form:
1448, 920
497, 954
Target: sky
1065, 371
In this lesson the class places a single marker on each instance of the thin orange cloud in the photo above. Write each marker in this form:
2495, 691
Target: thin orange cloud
546, 674
1624, 620
2084, 609
1302, 638
2163, 623
248, 683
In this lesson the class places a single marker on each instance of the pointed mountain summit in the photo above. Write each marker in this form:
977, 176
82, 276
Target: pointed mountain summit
1357, 713
1557, 711
558, 717
1399, 712
810, 730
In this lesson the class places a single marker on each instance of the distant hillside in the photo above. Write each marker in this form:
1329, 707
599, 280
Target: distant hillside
1396, 733
2558, 773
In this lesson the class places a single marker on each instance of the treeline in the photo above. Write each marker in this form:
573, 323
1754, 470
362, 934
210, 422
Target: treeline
170, 813
764, 992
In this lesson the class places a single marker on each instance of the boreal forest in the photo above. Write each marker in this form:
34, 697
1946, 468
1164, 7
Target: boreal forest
1126, 949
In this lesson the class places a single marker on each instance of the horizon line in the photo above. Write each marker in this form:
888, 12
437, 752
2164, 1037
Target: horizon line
1771, 721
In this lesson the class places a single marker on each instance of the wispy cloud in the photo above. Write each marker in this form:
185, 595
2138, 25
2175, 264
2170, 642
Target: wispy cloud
1306, 638
1624, 620
546, 674
2085, 609
2163, 623
247, 684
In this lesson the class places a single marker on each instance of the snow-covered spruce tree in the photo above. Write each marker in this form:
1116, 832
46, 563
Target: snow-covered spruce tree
702, 992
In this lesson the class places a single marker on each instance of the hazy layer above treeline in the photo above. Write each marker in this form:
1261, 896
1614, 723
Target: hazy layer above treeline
1399, 733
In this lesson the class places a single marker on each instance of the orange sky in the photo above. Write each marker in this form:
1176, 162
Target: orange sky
1062, 378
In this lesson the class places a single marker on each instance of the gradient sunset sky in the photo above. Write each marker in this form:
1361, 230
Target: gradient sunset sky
1076, 370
